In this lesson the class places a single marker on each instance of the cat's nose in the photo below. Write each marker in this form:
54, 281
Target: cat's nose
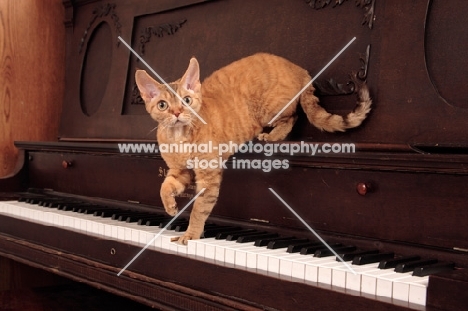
177, 114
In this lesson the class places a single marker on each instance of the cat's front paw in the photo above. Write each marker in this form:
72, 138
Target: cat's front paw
184, 239
188, 235
263, 136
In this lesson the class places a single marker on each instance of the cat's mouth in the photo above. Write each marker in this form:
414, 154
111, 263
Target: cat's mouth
179, 123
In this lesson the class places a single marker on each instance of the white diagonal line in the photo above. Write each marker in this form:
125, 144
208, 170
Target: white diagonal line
160, 232
311, 81
313, 231
161, 79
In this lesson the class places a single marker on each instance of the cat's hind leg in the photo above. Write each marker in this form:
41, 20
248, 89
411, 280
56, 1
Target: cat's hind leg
211, 181
173, 185
281, 129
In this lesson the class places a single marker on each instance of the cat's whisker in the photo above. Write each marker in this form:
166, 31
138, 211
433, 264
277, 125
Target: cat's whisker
152, 130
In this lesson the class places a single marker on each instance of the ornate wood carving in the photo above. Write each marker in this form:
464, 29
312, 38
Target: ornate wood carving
367, 5
159, 31
333, 88
100, 12
329, 87
364, 58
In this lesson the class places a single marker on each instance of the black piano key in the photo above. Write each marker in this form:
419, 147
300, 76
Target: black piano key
434, 268
87, 211
181, 227
285, 243
265, 241
33, 200
393, 262
224, 235
296, 248
66, 208
236, 236
116, 215
156, 222
24, 197
371, 258
105, 213
142, 221
95, 208
327, 252
75, 206
50, 202
173, 226
350, 256
213, 232
133, 217
130, 219
312, 249
410, 266
253, 238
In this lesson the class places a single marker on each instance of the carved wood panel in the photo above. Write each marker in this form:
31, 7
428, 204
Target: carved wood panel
400, 61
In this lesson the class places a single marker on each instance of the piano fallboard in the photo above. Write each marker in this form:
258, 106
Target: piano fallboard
413, 197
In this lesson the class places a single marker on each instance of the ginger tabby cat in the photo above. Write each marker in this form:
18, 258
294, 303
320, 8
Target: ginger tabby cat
236, 102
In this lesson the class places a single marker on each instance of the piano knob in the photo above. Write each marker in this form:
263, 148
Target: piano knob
363, 188
67, 164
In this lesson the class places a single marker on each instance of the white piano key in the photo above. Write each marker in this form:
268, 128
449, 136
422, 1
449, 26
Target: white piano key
310, 266
385, 283
247, 256
369, 280
412, 289
418, 291
275, 258
220, 251
286, 264
166, 238
333, 273
209, 246
192, 246
232, 249
146, 236
261, 256
175, 246
353, 280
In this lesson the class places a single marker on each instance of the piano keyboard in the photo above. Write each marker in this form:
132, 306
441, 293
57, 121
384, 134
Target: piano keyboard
296, 259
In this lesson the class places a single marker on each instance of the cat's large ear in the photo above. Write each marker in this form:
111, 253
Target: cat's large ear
148, 86
191, 79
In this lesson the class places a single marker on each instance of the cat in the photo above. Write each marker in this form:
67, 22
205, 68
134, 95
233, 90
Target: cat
236, 103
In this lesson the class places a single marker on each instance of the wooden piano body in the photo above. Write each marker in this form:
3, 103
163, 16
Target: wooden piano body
410, 164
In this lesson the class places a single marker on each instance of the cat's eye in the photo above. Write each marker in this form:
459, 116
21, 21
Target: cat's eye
187, 100
162, 105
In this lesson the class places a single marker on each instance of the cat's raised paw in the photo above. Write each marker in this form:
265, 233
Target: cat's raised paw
170, 205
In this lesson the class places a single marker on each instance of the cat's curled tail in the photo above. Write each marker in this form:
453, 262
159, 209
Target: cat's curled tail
326, 121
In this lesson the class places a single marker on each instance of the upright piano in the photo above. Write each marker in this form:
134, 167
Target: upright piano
83, 208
